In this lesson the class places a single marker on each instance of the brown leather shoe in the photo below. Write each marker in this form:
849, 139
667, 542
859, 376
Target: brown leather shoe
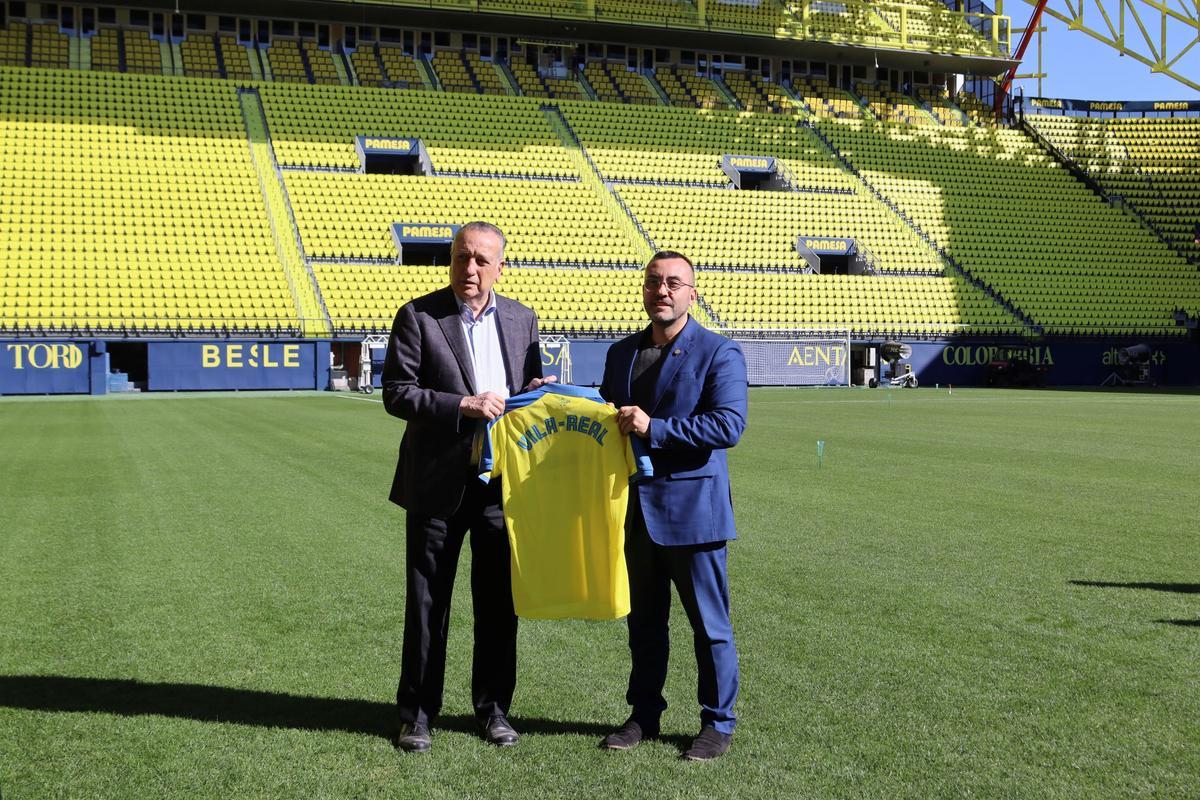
629, 735
708, 745
496, 730
413, 737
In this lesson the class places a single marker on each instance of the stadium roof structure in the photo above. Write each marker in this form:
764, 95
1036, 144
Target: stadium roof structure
1156, 33
465, 15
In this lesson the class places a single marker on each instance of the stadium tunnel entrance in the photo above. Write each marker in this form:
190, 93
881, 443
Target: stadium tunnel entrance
864, 366
423, 243
130, 359
346, 363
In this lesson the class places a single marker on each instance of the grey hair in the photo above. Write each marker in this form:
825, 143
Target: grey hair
480, 225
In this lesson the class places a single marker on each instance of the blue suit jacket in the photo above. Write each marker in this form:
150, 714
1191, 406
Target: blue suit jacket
699, 410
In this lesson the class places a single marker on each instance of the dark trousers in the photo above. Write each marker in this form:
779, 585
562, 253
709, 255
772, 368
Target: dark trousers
433, 545
698, 572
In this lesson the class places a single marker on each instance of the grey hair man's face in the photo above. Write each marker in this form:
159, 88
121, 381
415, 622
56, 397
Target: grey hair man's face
476, 261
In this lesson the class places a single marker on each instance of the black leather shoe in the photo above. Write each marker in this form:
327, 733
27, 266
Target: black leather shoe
627, 736
496, 730
413, 737
708, 745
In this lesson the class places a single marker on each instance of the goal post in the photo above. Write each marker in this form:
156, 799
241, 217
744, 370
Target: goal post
817, 357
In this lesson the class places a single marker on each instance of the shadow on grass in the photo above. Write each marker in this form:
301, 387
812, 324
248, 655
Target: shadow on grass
1178, 588
1182, 623
241, 706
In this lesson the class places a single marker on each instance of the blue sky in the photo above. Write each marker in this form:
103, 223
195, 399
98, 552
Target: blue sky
1080, 67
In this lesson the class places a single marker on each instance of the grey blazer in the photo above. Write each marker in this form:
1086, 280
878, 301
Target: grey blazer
426, 373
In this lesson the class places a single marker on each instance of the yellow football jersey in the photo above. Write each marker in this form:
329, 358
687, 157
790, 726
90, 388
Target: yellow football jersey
565, 467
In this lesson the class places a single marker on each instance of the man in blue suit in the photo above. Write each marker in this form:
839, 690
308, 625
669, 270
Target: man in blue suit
683, 389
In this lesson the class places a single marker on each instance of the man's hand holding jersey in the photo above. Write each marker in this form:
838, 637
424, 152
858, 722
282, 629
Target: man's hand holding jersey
490, 405
631, 419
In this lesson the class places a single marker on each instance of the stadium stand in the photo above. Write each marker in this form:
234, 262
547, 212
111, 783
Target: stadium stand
484, 74
762, 18
670, 13
680, 145
756, 94
367, 66
453, 73
286, 61
938, 102
891, 106
364, 297
826, 100
534, 84
49, 48
613, 83
236, 59
516, 141
202, 233
142, 216
978, 112
319, 62
930, 25
844, 22
347, 215
142, 54
686, 88
919, 25
1152, 163
13, 45
760, 229
106, 50
1069, 260
200, 57
864, 305
400, 70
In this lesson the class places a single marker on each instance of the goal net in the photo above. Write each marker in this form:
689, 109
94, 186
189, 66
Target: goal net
795, 357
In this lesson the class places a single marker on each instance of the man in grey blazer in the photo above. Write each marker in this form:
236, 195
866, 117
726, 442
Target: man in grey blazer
453, 357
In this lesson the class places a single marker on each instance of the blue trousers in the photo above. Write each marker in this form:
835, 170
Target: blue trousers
698, 573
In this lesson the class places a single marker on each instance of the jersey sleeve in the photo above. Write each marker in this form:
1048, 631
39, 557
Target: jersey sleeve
490, 457
637, 455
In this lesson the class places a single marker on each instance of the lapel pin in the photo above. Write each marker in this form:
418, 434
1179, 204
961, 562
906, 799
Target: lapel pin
677, 351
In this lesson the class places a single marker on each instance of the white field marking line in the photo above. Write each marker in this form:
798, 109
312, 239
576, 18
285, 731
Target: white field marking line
1094, 400
353, 397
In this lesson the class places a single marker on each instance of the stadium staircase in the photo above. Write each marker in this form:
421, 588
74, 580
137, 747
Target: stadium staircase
949, 261
1087, 180
591, 176
344, 69
304, 60
659, 90
310, 308
1148, 165
621, 214
511, 84
1066, 258
589, 91
174, 57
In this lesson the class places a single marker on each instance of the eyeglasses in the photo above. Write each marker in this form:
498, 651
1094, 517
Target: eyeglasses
673, 285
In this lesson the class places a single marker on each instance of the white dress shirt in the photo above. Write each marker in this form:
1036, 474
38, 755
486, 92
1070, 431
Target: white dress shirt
483, 338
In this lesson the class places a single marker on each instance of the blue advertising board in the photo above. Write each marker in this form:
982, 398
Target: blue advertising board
830, 245
764, 165
1061, 362
182, 366
962, 362
423, 232
386, 145
45, 367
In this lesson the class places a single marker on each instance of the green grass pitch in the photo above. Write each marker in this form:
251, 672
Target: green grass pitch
986, 594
